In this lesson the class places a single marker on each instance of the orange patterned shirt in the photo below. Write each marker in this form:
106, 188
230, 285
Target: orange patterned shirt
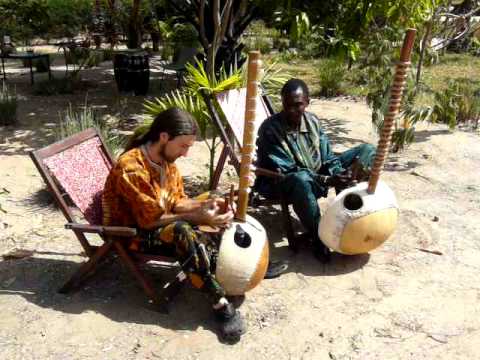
138, 191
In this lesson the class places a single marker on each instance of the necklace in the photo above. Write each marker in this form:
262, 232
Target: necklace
159, 168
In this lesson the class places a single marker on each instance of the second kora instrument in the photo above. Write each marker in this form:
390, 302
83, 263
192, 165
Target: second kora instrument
363, 217
243, 254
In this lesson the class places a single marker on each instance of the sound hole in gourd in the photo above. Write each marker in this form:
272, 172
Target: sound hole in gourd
352, 202
242, 238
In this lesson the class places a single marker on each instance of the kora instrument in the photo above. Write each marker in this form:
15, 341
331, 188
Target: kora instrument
363, 217
243, 254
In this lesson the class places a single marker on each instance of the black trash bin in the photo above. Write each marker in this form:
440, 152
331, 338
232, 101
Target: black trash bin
120, 69
139, 73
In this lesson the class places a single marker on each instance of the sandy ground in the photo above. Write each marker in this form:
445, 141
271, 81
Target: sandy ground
397, 303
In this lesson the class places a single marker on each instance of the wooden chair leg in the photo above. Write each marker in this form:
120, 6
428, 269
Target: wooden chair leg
219, 168
287, 221
142, 278
87, 268
89, 249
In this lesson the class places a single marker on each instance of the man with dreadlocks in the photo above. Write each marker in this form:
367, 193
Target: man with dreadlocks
145, 190
293, 142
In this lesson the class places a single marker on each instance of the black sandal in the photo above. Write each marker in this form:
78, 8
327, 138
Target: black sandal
275, 269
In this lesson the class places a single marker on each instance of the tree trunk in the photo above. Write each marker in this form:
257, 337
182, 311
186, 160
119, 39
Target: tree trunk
134, 40
98, 25
155, 41
110, 26
134, 36
211, 166
423, 46
220, 25
97, 40
211, 61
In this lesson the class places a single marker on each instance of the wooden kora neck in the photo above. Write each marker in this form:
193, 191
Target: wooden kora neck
248, 147
396, 92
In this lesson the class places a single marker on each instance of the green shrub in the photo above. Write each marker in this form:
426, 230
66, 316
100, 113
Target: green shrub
287, 56
445, 107
459, 103
404, 133
261, 43
166, 31
74, 55
409, 113
184, 35
475, 46
108, 55
310, 50
94, 58
84, 57
468, 103
280, 43
331, 76
260, 37
8, 106
167, 51
72, 122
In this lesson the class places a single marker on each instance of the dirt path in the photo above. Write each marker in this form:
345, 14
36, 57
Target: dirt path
396, 303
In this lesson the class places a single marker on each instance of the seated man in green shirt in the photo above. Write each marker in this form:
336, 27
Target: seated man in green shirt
293, 142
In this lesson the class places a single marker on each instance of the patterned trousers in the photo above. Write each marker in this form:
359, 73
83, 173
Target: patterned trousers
189, 246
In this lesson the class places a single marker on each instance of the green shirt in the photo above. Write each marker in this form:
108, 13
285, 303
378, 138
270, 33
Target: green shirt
280, 147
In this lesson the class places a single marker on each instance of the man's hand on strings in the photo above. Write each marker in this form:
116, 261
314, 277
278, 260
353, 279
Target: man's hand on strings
341, 180
211, 213
222, 202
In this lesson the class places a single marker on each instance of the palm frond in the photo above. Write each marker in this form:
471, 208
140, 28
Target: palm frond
188, 102
273, 77
197, 80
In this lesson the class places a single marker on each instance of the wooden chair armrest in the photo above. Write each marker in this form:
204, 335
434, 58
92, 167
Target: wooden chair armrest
269, 173
121, 231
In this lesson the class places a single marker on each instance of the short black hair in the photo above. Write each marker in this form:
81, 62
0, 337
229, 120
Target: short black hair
293, 85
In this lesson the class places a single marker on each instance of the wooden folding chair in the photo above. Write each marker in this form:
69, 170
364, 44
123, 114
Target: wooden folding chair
75, 170
229, 122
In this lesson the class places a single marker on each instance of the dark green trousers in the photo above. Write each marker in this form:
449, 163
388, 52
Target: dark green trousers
302, 190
